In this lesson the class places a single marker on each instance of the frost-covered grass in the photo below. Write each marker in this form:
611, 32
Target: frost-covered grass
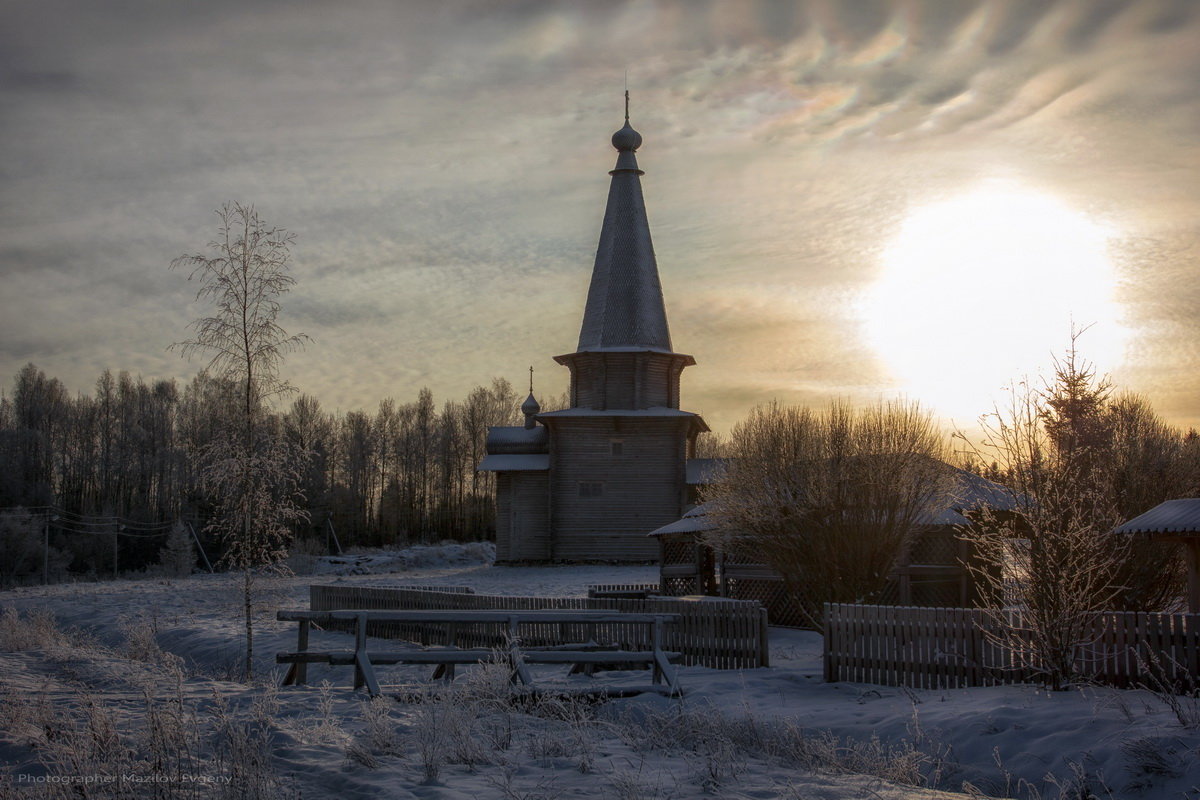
130, 679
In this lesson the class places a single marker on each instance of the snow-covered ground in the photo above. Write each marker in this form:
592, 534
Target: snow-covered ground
778, 732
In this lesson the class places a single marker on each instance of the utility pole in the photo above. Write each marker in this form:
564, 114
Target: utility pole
200, 547
46, 550
116, 541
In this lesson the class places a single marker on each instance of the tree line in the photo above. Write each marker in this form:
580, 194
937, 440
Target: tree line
131, 449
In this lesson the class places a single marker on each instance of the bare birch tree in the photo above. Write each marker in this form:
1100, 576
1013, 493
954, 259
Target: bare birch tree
250, 469
829, 499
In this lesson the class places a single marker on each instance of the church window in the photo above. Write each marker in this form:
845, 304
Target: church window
618, 447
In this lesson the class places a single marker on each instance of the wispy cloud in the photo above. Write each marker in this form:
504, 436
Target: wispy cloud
444, 167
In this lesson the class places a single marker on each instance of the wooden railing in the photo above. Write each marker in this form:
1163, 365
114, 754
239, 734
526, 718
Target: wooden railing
711, 632
934, 648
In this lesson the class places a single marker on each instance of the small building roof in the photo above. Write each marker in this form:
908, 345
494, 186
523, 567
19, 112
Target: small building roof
704, 471
972, 492
975, 491
696, 520
1173, 516
517, 439
515, 462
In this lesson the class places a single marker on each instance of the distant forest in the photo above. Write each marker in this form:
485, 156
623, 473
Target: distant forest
406, 473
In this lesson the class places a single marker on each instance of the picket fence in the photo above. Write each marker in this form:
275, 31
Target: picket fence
936, 648
712, 632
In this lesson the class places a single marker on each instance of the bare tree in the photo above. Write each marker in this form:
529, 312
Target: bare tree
829, 499
250, 469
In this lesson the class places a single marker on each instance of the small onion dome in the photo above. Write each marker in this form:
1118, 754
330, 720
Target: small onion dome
530, 409
627, 138
530, 406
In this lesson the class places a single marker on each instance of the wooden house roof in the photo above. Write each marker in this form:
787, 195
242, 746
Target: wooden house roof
1173, 516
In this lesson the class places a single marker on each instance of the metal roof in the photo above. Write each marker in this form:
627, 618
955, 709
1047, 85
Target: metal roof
1173, 516
625, 302
515, 462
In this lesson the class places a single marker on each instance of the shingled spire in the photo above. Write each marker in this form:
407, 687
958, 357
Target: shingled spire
625, 308
588, 482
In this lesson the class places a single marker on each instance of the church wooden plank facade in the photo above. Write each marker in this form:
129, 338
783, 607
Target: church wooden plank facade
589, 482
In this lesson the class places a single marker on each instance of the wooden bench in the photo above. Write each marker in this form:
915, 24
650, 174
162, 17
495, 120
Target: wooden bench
582, 656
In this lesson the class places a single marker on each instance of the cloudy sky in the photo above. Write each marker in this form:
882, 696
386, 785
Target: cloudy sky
848, 199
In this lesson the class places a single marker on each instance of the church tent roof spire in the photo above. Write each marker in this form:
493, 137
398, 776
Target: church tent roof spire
625, 309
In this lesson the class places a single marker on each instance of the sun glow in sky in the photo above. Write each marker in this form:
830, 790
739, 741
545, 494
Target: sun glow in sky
983, 288
445, 167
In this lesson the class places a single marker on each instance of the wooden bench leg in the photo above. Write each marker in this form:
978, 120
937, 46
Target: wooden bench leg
364, 673
666, 670
290, 677
520, 670
299, 670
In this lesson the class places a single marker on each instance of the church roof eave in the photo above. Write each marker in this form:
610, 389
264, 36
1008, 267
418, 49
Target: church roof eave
688, 361
654, 412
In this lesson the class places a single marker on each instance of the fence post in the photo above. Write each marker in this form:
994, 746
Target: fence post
764, 646
46, 550
827, 643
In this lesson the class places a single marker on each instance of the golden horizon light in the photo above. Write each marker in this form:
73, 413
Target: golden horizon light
984, 288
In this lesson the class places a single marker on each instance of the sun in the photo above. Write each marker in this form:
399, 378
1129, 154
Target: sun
984, 288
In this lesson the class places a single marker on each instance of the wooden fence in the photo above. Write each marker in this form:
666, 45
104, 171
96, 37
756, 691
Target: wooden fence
933, 648
713, 632
622, 591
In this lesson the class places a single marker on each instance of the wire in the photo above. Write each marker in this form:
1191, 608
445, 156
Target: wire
105, 520
60, 528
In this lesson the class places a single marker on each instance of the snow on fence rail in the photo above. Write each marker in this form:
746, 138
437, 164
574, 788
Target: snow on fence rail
712, 632
935, 648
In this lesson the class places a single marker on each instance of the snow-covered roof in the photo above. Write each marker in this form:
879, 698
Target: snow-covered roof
696, 520
976, 491
703, 471
515, 462
1173, 516
945, 516
972, 492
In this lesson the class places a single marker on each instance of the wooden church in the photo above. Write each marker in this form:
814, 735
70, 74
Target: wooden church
589, 482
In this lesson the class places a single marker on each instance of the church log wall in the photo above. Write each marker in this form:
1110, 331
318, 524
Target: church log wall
522, 517
639, 490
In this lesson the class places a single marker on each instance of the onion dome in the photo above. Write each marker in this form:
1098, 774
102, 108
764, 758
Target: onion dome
627, 138
530, 409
